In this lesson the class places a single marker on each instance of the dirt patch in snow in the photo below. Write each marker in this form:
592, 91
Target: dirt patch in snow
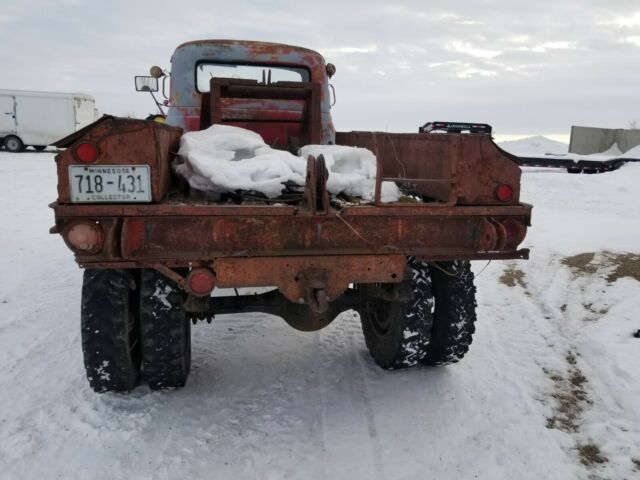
590, 455
571, 399
513, 276
581, 264
615, 265
570, 396
625, 265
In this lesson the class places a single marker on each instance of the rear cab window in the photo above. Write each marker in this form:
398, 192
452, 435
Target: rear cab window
266, 74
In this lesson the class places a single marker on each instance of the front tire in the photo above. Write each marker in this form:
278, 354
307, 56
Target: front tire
454, 314
109, 330
397, 334
165, 331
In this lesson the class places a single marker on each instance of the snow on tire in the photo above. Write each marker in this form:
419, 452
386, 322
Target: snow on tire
397, 334
165, 332
109, 330
454, 313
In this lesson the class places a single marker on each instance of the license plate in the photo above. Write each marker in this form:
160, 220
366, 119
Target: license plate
110, 183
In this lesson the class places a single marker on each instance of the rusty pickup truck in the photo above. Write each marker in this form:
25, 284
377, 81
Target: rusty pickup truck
153, 251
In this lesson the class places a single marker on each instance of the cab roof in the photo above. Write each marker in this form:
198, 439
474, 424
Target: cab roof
250, 44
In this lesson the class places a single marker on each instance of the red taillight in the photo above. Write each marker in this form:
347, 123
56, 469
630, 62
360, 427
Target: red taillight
201, 281
86, 152
504, 193
84, 237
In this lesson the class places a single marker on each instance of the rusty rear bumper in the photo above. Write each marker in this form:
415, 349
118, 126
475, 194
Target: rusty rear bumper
299, 252
179, 235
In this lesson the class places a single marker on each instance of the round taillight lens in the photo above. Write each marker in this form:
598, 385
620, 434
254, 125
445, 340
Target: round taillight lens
504, 193
201, 281
86, 152
84, 237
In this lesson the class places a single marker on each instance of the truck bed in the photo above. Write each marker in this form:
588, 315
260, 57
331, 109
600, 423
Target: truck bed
455, 176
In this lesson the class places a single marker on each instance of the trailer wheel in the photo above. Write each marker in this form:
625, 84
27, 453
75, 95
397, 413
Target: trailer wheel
13, 144
109, 330
454, 312
165, 332
397, 334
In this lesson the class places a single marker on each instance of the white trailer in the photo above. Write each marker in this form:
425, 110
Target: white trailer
38, 119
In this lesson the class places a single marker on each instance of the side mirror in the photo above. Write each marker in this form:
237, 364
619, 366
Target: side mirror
146, 84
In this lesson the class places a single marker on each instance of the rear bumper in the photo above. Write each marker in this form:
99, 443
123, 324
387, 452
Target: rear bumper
179, 235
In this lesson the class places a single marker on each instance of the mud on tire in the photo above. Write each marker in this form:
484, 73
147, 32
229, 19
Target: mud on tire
109, 329
165, 332
454, 312
397, 334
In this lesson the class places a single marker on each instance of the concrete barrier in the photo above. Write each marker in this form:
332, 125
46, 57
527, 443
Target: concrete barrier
588, 140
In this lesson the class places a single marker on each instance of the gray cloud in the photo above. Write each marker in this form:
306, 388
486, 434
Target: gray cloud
526, 67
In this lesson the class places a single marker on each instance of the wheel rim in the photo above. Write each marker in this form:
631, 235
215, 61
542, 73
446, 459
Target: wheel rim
12, 144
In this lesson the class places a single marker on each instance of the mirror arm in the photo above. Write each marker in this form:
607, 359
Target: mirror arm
158, 104
164, 81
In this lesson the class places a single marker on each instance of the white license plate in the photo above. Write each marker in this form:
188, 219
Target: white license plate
110, 183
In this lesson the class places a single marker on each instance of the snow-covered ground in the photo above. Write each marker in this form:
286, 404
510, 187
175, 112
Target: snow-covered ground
549, 390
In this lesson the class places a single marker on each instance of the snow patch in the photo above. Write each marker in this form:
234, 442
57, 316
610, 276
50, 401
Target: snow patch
534, 146
352, 170
161, 293
101, 371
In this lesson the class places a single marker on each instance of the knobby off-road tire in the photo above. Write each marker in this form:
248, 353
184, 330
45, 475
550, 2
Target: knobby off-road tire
454, 314
109, 329
397, 334
165, 332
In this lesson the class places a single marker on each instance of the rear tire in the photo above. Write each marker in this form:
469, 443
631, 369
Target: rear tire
454, 314
13, 144
109, 330
397, 334
165, 331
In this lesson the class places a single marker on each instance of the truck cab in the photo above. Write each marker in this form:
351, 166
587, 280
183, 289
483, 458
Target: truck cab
276, 115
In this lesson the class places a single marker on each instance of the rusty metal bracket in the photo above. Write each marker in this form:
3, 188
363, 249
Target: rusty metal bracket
315, 190
314, 287
167, 272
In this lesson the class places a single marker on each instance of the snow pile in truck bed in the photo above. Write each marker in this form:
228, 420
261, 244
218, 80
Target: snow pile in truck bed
352, 170
223, 158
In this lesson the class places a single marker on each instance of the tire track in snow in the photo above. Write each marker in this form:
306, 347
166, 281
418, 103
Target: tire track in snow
368, 409
345, 375
322, 391
571, 397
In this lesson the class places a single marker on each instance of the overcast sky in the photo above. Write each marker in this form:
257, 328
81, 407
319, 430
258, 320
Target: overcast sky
527, 67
